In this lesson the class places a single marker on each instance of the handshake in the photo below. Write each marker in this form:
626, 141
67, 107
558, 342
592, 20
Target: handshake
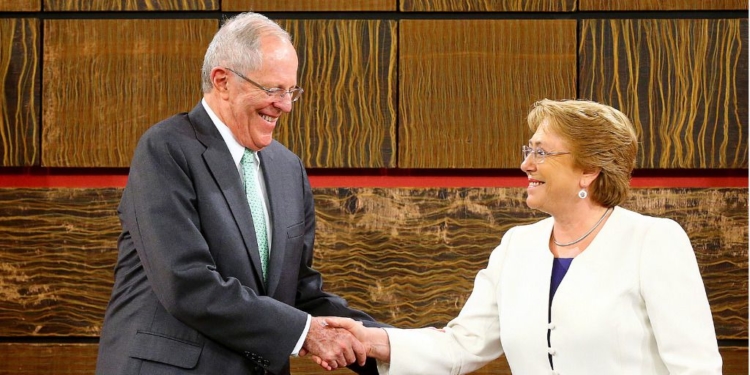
338, 342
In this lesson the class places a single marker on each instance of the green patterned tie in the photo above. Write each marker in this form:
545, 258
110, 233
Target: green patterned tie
254, 197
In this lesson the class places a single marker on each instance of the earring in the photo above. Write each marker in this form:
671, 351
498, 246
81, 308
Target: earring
583, 194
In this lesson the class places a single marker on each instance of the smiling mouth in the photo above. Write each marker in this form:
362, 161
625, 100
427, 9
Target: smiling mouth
535, 183
269, 118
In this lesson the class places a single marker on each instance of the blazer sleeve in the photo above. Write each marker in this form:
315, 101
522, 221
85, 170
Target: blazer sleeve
676, 301
468, 342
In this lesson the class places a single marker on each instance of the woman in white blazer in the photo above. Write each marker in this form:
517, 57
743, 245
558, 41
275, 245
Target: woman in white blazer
595, 289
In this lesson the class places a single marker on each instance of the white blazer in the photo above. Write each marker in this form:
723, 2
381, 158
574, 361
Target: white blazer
632, 303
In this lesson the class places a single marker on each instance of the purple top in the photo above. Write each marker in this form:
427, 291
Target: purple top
559, 269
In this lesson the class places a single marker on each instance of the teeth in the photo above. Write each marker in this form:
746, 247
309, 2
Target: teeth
268, 118
534, 183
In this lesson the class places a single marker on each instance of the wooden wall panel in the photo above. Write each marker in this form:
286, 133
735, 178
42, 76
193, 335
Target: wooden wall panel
347, 116
107, 81
463, 99
649, 5
80, 359
391, 252
488, 5
19, 93
682, 82
56, 260
381, 247
129, 5
21, 6
307, 5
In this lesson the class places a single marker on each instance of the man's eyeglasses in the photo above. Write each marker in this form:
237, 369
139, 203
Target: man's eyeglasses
276, 92
538, 154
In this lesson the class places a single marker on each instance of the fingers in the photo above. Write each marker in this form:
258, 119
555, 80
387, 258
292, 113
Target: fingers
333, 347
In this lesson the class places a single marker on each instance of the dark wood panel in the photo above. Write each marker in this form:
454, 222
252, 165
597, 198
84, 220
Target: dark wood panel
647, 5
129, 5
107, 81
684, 83
391, 252
488, 5
19, 96
75, 359
307, 5
21, 6
347, 115
463, 99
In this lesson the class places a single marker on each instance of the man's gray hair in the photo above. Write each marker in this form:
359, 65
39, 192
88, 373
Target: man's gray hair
237, 45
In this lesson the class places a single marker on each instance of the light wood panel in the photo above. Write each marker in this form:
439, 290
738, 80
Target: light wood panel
684, 83
107, 81
129, 5
391, 252
19, 94
20, 5
74, 359
649, 5
381, 247
487, 5
465, 87
307, 5
347, 116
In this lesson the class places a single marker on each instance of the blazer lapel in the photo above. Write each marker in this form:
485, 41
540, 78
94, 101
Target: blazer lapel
222, 168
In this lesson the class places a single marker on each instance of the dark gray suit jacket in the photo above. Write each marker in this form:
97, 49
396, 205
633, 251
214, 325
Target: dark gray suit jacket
188, 296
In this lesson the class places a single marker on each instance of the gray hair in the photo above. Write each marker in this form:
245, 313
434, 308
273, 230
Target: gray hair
237, 45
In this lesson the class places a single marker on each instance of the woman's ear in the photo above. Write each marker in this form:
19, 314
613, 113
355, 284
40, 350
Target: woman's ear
588, 177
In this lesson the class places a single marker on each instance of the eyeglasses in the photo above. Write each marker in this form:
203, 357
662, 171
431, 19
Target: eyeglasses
276, 92
538, 154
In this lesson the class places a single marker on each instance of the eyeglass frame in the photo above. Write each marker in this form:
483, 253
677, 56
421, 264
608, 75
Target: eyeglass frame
277, 92
539, 154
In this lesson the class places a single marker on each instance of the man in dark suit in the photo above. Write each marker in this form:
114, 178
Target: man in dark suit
201, 287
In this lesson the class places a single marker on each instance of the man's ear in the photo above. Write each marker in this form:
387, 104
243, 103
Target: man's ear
220, 81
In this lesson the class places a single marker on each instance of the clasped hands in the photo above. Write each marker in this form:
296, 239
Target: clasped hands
337, 342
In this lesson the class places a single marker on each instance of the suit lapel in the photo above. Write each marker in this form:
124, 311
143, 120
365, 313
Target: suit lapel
221, 166
274, 187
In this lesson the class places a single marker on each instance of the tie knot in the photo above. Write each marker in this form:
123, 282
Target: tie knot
248, 157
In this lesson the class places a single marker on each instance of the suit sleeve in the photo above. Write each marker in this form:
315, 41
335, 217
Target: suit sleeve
676, 301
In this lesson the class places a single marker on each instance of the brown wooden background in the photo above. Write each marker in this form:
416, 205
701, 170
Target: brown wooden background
392, 85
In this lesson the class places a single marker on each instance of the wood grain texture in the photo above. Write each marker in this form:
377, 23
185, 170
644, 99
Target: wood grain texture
308, 6
80, 359
129, 5
488, 5
56, 260
465, 87
684, 83
107, 81
20, 6
19, 95
407, 256
649, 5
347, 116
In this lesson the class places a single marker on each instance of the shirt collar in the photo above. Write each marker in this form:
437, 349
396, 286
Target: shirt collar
235, 148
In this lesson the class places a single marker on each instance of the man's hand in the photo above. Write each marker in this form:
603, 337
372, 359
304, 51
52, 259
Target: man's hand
375, 340
332, 347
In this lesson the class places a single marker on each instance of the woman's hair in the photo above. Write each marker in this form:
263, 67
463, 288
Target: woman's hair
237, 45
599, 137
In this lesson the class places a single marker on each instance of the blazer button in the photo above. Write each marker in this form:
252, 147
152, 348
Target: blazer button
551, 351
551, 326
